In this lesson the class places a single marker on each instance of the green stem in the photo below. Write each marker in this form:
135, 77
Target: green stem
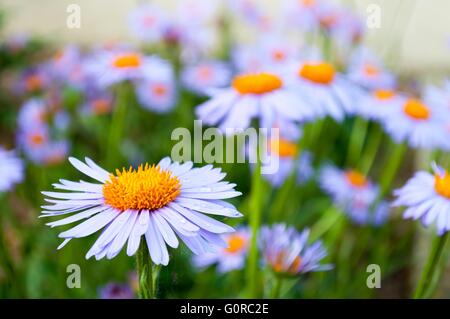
117, 125
371, 150
147, 272
394, 161
330, 218
356, 143
255, 223
425, 283
276, 291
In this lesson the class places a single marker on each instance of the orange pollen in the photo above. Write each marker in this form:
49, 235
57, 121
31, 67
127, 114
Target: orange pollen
356, 179
204, 73
159, 89
321, 73
258, 83
278, 55
308, 3
131, 60
442, 185
33, 82
148, 187
382, 94
328, 21
282, 148
101, 106
37, 139
278, 265
235, 243
416, 109
371, 70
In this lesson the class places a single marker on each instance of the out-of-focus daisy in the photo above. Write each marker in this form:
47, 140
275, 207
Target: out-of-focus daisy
324, 90
32, 81
229, 258
253, 95
417, 124
354, 194
285, 151
303, 13
201, 77
11, 170
33, 112
116, 291
379, 104
98, 103
147, 22
162, 202
288, 253
366, 70
40, 149
157, 91
427, 197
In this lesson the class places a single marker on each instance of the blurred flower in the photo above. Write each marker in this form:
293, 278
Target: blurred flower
354, 194
427, 197
323, 90
33, 80
201, 77
16, 42
116, 291
417, 124
379, 104
229, 258
287, 252
252, 95
157, 201
11, 170
147, 22
366, 70
98, 103
303, 13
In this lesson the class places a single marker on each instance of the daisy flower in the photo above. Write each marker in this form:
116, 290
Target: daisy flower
11, 170
116, 291
161, 202
147, 22
229, 258
427, 197
417, 124
354, 194
261, 95
379, 104
203, 76
303, 13
325, 91
288, 253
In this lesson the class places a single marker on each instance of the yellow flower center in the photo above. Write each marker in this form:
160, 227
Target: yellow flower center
282, 148
36, 139
148, 187
416, 109
131, 60
356, 179
383, 94
235, 243
321, 73
442, 185
258, 83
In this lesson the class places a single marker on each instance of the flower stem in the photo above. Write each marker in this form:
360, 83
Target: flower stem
255, 223
391, 168
426, 284
276, 291
117, 125
371, 150
356, 143
147, 272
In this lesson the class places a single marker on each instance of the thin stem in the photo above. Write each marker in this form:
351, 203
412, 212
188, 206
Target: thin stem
276, 291
255, 223
371, 150
391, 168
425, 284
147, 272
356, 142
117, 125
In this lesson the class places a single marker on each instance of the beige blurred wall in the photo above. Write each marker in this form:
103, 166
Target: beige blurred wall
414, 34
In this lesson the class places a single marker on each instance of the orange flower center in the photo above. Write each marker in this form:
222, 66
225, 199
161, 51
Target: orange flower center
36, 139
307, 3
148, 187
416, 109
371, 70
278, 55
442, 185
383, 94
131, 60
235, 243
204, 72
33, 82
258, 83
356, 179
282, 148
278, 265
321, 73
101, 106
159, 89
